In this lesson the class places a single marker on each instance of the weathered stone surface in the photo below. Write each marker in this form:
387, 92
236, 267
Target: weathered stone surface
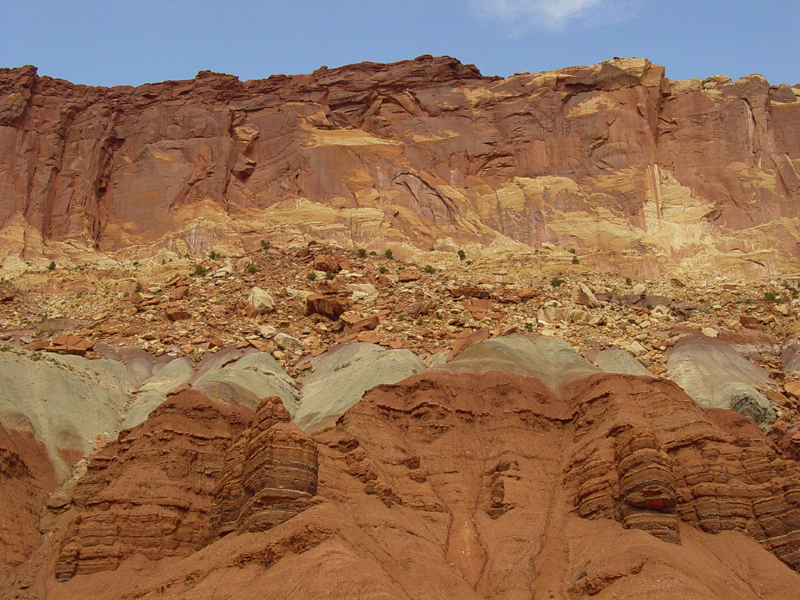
65, 401
150, 492
441, 153
258, 373
326, 305
261, 301
341, 377
618, 361
26, 476
715, 375
270, 474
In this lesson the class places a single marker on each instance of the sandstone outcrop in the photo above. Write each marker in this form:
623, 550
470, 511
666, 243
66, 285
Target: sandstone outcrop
26, 476
269, 476
150, 492
407, 155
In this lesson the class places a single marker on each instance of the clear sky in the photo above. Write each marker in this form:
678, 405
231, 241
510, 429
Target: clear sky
114, 42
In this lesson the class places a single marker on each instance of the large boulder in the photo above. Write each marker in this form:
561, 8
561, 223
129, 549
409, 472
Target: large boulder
261, 301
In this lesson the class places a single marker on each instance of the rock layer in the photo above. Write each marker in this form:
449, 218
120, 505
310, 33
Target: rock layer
270, 474
412, 154
149, 493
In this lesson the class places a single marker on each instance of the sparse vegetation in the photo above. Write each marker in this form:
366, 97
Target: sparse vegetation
461, 254
650, 307
373, 253
362, 253
51, 266
388, 254
382, 269
138, 289
529, 326
469, 262
429, 269
311, 276
200, 271
572, 251
264, 245
330, 276
213, 255
628, 281
575, 260
556, 282
771, 297
252, 269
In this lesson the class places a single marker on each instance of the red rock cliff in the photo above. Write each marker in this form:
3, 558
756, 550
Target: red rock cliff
414, 154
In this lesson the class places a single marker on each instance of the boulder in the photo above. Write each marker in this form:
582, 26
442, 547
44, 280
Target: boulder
261, 301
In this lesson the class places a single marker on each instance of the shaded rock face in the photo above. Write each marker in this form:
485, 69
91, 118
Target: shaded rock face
270, 474
609, 156
25, 478
150, 491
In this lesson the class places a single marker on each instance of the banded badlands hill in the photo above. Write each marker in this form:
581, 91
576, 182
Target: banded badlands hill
400, 331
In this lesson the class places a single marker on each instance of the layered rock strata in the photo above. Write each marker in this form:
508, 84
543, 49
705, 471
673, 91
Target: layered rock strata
609, 158
269, 476
150, 492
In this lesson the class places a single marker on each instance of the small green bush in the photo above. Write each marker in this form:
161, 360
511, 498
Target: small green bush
138, 289
51, 266
362, 253
330, 276
469, 262
429, 269
572, 250
462, 255
213, 255
556, 282
311, 276
388, 253
628, 281
529, 326
252, 269
264, 245
382, 269
771, 297
575, 260
200, 271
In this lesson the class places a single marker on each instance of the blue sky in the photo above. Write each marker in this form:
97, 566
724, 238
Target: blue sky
114, 42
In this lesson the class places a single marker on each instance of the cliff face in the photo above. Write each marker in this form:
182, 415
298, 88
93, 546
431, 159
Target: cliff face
417, 154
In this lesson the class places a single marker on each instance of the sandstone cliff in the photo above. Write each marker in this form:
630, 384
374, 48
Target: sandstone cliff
611, 159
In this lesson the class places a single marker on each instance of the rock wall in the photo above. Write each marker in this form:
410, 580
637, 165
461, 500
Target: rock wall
612, 157
149, 492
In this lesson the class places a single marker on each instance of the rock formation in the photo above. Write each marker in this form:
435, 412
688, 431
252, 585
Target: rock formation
149, 493
400, 331
270, 474
606, 158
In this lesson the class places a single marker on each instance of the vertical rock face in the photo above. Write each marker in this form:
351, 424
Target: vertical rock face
270, 474
612, 156
150, 491
25, 477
